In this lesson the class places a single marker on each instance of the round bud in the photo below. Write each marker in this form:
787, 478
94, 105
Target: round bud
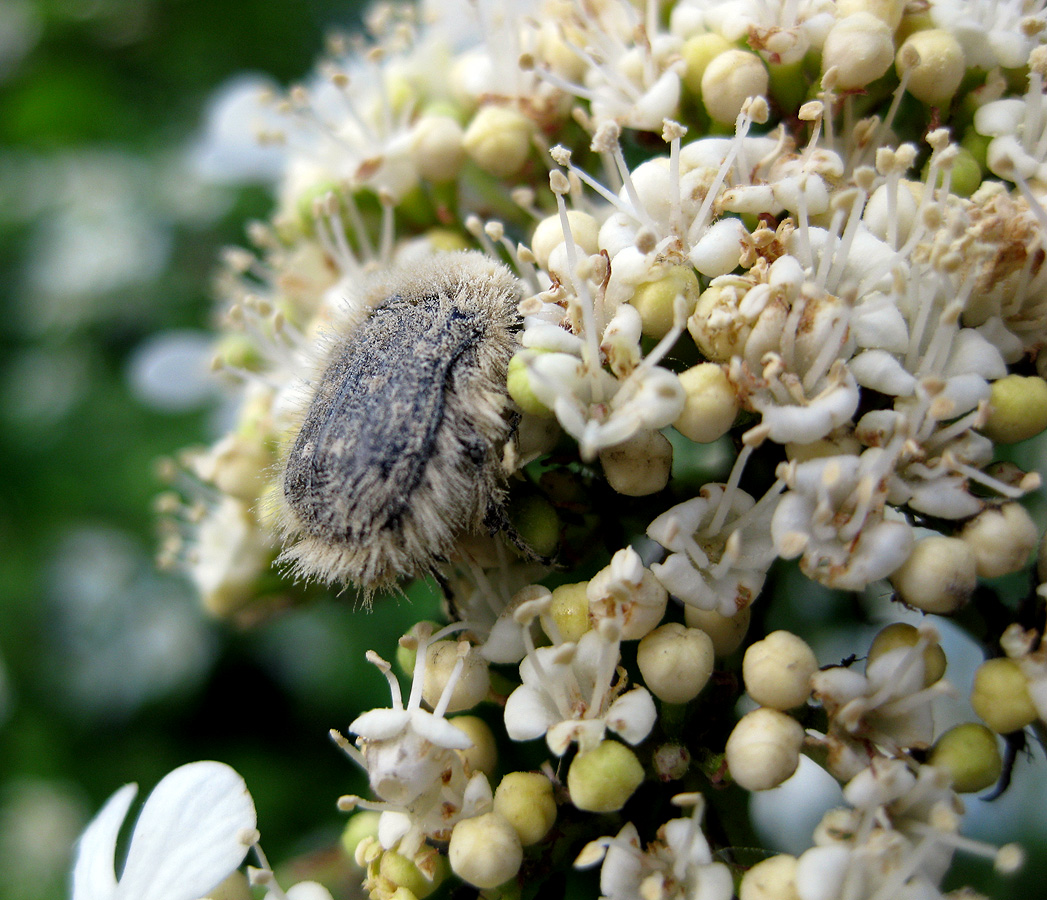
498, 140
482, 756
771, 879
764, 749
1001, 696
710, 405
676, 661
777, 670
729, 80
604, 778
526, 801
518, 383
971, 756
304, 890
889, 12
726, 632
901, 634
697, 53
935, 65
656, 300
536, 523
1018, 409
485, 851
671, 761
396, 871
436, 147
938, 577
639, 466
548, 235
861, 49
570, 610
1001, 539
473, 683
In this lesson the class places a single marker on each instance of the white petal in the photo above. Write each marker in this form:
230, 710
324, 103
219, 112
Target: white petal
528, 714
190, 834
380, 724
632, 715
878, 370
93, 874
973, 354
437, 730
392, 826
720, 249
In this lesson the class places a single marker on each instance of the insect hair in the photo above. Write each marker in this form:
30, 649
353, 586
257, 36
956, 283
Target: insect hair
399, 444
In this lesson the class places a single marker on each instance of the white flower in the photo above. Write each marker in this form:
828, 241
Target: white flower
573, 692
194, 830
991, 33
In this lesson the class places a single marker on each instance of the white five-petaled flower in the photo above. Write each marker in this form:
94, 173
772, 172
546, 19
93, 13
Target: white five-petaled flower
194, 830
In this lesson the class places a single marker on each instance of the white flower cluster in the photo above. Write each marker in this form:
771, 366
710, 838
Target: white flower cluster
808, 236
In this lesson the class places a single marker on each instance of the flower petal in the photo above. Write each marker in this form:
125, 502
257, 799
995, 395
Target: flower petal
190, 834
93, 874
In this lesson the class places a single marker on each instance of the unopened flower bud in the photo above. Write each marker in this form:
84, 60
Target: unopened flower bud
861, 49
1001, 696
604, 778
548, 235
498, 140
526, 801
518, 383
1001, 539
639, 466
536, 523
764, 749
671, 761
771, 879
436, 147
1018, 409
938, 577
889, 12
570, 610
935, 64
396, 872
971, 756
777, 670
656, 300
482, 756
902, 634
304, 890
726, 632
697, 53
729, 80
485, 850
473, 682
711, 404
676, 662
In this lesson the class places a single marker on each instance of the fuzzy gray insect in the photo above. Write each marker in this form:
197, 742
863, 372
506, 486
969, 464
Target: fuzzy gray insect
400, 448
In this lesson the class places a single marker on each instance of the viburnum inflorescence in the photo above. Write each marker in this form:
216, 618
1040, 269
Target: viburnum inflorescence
781, 281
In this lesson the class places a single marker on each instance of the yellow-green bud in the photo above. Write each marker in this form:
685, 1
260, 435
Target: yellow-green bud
935, 65
671, 761
771, 879
570, 610
526, 801
436, 147
1001, 696
889, 12
676, 661
777, 670
729, 80
938, 577
698, 52
485, 850
1001, 539
498, 140
656, 300
473, 682
548, 235
639, 466
710, 405
971, 756
518, 383
604, 778
726, 632
902, 634
764, 749
482, 756
1018, 408
398, 871
861, 49
536, 523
